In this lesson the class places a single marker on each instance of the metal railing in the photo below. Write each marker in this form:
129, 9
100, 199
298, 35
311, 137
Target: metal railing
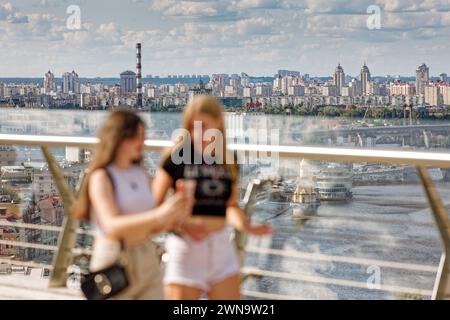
421, 160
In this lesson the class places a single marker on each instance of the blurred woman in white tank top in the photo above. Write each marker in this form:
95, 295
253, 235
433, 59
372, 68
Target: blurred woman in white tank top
116, 197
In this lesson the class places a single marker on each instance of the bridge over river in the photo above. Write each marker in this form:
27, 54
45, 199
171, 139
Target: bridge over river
413, 135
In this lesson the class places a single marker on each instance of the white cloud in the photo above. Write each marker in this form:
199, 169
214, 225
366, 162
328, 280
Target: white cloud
414, 5
108, 34
194, 8
10, 14
254, 26
204, 36
360, 6
6, 10
258, 4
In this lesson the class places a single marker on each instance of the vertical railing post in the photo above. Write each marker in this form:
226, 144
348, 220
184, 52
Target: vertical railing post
254, 188
442, 285
248, 201
68, 235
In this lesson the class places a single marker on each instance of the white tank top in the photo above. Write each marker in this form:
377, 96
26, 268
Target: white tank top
131, 190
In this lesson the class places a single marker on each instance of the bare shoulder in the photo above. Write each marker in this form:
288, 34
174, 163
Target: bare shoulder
99, 178
161, 173
162, 179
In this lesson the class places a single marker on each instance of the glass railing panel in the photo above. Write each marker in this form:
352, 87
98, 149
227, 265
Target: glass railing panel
373, 225
28, 196
345, 231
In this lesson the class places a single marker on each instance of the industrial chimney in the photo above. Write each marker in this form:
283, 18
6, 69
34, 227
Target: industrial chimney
138, 77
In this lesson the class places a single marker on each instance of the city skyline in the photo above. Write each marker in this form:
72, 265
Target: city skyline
275, 73
288, 88
206, 37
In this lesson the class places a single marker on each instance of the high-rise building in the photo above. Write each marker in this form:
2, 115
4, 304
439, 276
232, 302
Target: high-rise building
66, 82
365, 80
286, 82
76, 82
443, 77
378, 88
400, 88
230, 91
247, 92
128, 82
263, 89
422, 78
235, 84
200, 89
329, 91
218, 83
71, 83
355, 87
245, 80
445, 91
345, 91
277, 84
296, 90
49, 82
339, 78
288, 73
432, 94
138, 76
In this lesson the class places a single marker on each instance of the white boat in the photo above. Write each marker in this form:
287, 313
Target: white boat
278, 194
334, 183
305, 201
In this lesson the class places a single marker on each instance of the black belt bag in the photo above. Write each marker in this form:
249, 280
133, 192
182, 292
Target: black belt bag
105, 283
110, 281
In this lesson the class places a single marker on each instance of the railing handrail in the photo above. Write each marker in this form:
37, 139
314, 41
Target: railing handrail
413, 158
69, 141
42, 227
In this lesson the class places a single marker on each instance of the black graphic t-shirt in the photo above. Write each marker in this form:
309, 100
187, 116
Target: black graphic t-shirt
213, 184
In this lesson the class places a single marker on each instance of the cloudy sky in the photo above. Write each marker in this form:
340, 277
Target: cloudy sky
230, 36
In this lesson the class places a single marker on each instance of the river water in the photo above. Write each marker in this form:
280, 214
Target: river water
382, 224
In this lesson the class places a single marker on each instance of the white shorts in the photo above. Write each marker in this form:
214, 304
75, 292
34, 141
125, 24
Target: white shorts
201, 264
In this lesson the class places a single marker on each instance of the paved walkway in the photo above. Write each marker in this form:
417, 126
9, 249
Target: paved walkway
33, 287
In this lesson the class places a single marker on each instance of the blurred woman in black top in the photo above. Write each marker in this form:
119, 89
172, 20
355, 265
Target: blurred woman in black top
203, 259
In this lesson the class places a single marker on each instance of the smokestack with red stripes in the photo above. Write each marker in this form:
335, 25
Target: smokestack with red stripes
138, 77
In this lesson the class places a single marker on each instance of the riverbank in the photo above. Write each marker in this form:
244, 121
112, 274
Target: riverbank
354, 112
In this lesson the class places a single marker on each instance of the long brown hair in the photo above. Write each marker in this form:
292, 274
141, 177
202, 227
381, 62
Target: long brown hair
210, 106
118, 126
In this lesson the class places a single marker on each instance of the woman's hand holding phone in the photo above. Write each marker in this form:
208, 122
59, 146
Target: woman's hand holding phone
196, 231
178, 208
187, 202
259, 230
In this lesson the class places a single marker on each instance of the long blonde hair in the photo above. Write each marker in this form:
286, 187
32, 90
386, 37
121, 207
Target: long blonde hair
206, 105
117, 127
